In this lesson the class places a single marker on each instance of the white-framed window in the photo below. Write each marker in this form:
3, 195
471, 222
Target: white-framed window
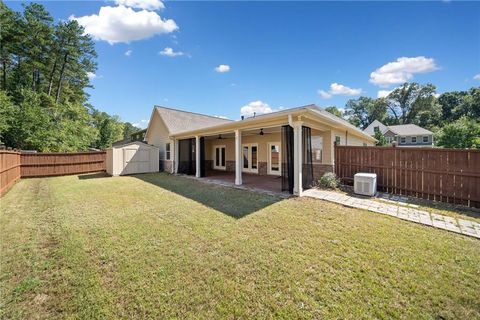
425, 139
167, 151
219, 158
337, 140
274, 158
414, 139
389, 139
317, 149
250, 157
403, 139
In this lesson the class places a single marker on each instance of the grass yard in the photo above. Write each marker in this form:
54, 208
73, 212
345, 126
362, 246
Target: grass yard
158, 246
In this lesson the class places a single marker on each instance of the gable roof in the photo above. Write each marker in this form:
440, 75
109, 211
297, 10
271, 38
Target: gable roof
409, 130
371, 128
332, 117
178, 120
251, 121
401, 130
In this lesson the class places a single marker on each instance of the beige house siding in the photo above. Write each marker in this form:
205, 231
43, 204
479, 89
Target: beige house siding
158, 136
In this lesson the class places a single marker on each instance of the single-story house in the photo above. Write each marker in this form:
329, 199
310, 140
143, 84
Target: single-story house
284, 151
405, 135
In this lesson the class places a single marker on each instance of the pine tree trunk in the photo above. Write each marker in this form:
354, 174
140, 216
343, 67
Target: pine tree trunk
50, 82
4, 68
60, 80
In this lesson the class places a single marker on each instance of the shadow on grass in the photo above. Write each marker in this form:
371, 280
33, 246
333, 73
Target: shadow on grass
232, 202
95, 175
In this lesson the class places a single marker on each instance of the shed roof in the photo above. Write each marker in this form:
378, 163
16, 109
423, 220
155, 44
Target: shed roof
121, 145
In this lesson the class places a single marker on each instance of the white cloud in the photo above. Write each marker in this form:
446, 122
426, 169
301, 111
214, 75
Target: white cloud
221, 117
91, 75
223, 68
476, 77
339, 89
141, 124
142, 4
170, 53
324, 94
383, 93
128, 53
402, 70
123, 24
255, 107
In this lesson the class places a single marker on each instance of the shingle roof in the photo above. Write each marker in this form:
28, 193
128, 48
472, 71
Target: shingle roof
409, 130
401, 130
178, 120
331, 116
311, 107
371, 128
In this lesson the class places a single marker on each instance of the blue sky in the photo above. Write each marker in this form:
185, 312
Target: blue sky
274, 54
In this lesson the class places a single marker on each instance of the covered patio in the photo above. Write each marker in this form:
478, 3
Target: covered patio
265, 182
286, 151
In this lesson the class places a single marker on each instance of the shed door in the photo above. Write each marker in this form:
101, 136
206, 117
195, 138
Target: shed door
136, 160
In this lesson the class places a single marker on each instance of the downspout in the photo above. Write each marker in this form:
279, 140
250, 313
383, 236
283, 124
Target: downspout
346, 137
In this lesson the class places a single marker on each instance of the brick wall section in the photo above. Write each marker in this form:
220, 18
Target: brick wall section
262, 168
166, 165
230, 166
320, 169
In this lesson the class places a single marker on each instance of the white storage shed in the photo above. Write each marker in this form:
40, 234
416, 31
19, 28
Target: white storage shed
131, 158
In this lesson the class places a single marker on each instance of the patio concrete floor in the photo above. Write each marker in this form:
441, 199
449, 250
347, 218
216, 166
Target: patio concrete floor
249, 180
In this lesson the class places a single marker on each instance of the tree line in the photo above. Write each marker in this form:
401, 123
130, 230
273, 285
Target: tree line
44, 74
453, 117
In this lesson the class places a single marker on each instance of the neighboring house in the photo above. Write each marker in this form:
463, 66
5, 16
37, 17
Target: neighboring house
292, 147
138, 136
406, 135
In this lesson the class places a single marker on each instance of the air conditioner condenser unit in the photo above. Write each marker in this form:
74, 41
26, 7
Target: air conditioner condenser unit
365, 184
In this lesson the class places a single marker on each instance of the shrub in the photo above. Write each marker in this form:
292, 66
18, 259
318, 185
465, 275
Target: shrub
328, 180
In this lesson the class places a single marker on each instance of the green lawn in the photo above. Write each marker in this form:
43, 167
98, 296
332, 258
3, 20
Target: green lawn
158, 246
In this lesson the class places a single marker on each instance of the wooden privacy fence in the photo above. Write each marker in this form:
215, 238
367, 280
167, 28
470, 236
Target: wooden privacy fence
447, 175
16, 165
9, 169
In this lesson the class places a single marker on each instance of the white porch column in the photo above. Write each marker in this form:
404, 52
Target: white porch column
172, 156
238, 157
177, 156
197, 156
297, 159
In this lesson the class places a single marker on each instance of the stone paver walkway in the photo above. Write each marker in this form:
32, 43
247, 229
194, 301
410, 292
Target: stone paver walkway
466, 227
